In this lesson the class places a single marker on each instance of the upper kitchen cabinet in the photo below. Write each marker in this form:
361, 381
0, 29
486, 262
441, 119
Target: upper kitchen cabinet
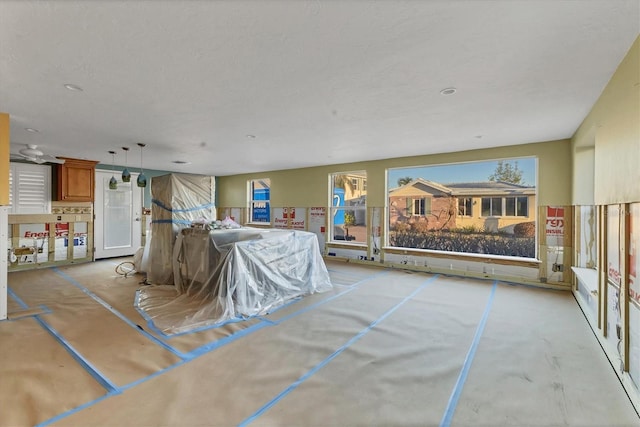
75, 180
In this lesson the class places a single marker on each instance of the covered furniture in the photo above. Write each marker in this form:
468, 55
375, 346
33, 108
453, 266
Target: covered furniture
222, 275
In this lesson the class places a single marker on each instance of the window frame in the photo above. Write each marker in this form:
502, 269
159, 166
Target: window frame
359, 211
251, 201
515, 206
491, 207
468, 210
466, 183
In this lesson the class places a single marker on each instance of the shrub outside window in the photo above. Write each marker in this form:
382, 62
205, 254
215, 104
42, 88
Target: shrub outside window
348, 207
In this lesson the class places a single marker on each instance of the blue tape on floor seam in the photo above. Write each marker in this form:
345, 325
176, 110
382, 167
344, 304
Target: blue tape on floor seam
333, 355
226, 340
16, 298
95, 373
313, 306
457, 390
118, 314
193, 354
92, 370
76, 409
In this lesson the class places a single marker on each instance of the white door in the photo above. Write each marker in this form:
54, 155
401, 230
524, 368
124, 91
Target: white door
117, 227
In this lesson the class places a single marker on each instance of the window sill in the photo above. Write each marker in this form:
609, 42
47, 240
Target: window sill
588, 277
345, 243
495, 259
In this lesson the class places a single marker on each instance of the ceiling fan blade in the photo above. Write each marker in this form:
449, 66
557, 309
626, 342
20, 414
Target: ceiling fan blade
20, 156
51, 159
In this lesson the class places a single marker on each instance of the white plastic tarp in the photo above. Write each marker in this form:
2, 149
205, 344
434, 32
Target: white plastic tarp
222, 275
177, 201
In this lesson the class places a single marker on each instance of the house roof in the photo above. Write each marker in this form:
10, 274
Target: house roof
489, 188
421, 186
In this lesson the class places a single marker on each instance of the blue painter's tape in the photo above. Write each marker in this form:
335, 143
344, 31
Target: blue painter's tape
45, 309
118, 314
196, 208
151, 325
190, 356
347, 273
95, 373
333, 355
171, 221
457, 390
199, 352
319, 303
226, 340
16, 298
76, 409
92, 370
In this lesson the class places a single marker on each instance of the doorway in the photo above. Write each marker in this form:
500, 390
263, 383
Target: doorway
118, 214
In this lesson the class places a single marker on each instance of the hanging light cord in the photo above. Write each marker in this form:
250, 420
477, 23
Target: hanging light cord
141, 147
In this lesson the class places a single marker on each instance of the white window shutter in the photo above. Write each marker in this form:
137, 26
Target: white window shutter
30, 188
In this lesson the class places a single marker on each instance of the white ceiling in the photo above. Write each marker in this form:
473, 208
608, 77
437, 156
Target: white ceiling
316, 82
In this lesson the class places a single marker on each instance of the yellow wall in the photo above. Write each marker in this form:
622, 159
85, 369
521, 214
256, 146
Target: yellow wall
4, 159
309, 186
613, 126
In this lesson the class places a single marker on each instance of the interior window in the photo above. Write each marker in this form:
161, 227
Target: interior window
348, 207
259, 200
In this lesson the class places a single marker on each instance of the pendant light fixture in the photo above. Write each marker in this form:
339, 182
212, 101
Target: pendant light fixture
142, 180
126, 175
113, 183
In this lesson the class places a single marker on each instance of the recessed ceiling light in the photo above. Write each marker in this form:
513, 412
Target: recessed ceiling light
181, 162
74, 88
31, 130
448, 91
251, 136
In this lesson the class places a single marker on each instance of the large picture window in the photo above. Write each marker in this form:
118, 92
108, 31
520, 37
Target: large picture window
348, 207
259, 198
475, 207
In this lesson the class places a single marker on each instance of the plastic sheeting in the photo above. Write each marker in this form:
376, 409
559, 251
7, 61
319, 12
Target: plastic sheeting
178, 200
222, 275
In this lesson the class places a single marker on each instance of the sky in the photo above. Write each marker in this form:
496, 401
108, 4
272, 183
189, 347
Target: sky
463, 172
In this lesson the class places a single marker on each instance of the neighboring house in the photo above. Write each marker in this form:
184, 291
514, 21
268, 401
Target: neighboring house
356, 189
491, 206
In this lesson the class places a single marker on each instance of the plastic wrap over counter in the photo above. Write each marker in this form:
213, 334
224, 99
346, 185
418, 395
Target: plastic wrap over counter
224, 275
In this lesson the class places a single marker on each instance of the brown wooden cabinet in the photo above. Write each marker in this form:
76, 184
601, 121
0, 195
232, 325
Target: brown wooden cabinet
76, 180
